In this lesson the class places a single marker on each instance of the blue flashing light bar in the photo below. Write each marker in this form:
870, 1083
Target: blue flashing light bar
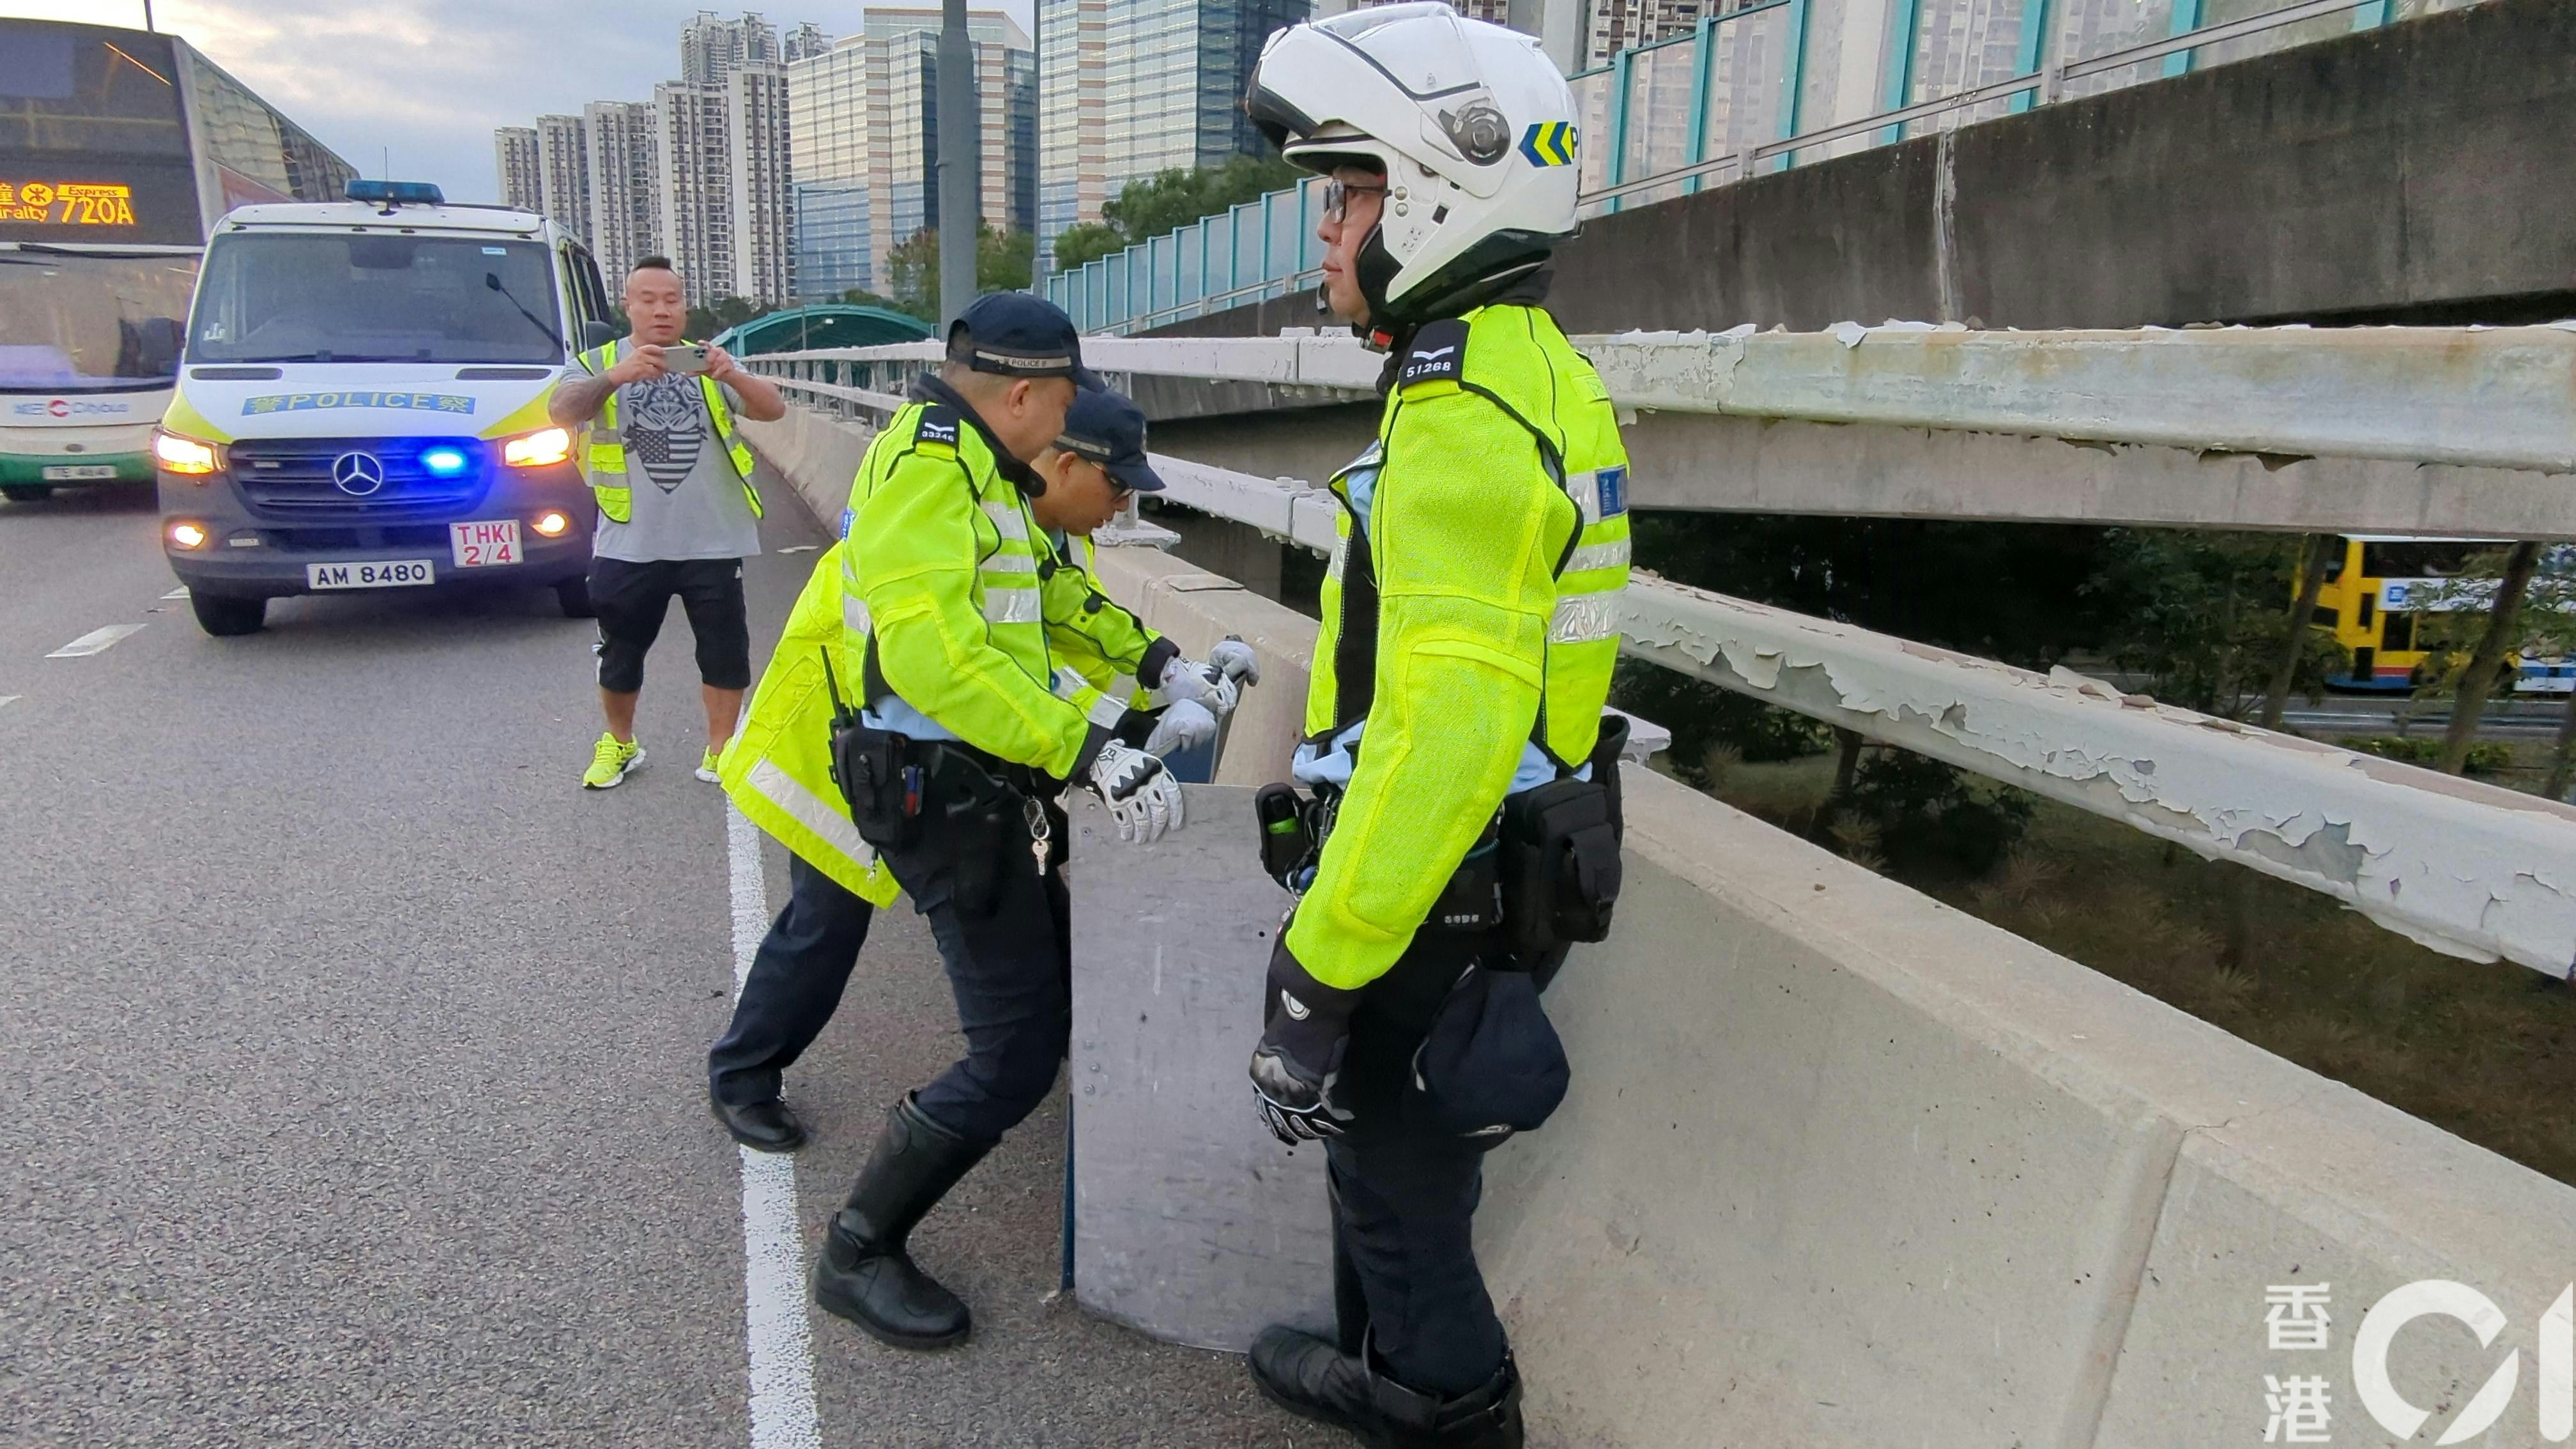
445, 462
398, 193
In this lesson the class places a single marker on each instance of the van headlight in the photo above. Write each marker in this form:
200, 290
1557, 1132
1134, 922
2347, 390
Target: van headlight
186, 456
537, 449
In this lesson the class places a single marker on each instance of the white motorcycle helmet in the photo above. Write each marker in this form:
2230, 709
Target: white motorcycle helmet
1472, 124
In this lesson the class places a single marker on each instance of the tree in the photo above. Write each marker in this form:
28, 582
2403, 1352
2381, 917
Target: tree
862, 297
1083, 244
1169, 201
1003, 262
2505, 605
2202, 616
706, 322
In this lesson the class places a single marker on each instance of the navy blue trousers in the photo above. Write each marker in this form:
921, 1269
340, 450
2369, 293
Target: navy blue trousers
794, 986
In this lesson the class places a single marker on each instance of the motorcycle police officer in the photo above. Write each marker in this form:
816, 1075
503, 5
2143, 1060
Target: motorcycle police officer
969, 731
1463, 772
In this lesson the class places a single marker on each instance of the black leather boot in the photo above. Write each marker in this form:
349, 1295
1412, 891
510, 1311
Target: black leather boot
865, 1275
1313, 1379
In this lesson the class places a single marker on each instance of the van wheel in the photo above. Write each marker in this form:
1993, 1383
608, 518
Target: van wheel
226, 618
574, 595
26, 492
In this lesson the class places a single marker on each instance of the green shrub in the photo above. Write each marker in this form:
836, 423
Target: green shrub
2484, 759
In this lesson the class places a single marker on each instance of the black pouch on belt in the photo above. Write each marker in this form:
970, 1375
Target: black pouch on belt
980, 814
1280, 814
1560, 865
1472, 902
1491, 1064
875, 771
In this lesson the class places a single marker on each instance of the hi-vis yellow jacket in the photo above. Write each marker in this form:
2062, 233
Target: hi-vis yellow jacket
1471, 618
946, 605
1092, 635
778, 767
604, 463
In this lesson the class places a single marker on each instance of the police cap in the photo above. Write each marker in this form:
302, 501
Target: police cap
1017, 335
1103, 426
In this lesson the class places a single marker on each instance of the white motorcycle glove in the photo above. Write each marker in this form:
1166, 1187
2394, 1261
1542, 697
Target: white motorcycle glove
1183, 726
1235, 660
1188, 679
1141, 795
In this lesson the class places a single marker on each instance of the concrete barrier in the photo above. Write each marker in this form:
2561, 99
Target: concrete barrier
1842, 1166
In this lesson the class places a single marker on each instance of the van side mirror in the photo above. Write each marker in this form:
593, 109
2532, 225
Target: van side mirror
596, 334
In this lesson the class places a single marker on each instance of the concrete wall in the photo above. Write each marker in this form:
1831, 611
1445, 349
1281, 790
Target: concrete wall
2417, 172
1842, 1166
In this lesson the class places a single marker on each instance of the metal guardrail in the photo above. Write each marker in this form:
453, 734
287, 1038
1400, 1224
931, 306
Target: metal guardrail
2466, 868
1730, 99
2486, 397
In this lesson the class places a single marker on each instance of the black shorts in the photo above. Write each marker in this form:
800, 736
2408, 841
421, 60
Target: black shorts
632, 598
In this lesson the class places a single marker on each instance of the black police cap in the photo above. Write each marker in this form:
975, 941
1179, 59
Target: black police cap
1105, 427
1017, 335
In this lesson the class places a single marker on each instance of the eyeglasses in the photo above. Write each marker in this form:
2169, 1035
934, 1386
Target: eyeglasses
1337, 198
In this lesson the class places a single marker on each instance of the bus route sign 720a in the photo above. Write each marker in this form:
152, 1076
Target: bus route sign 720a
67, 203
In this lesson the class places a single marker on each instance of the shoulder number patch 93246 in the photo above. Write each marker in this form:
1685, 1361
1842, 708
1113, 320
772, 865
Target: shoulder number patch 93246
938, 425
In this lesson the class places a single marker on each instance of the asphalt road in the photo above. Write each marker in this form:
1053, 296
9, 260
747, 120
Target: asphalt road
352, 1055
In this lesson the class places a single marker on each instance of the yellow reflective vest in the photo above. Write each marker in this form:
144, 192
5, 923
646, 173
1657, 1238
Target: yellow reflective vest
1471, 617
605, 458
1096, 640
778, 766
944, 601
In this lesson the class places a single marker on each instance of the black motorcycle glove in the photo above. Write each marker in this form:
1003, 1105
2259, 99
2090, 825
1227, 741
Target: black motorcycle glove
1305, 1028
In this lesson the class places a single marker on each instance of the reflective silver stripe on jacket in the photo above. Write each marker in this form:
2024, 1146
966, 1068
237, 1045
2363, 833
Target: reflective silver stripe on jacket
810, 810
1012, 606
1582, 618
1613, 554
1007, 518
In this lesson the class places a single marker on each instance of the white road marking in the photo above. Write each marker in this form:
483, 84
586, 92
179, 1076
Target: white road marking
7, 700
773, 1269
180, 592
96, 641
797, 548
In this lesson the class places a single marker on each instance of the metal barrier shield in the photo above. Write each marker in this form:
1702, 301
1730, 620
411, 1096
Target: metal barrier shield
1190, 1222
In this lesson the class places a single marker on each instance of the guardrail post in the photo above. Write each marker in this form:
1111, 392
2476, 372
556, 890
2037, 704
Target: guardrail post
1703, 69
2035, 53
1905, 25
1622, 66
1793, 81
2371, 15
2186, 19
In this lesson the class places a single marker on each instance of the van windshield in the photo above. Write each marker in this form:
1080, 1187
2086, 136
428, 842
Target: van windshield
371, 297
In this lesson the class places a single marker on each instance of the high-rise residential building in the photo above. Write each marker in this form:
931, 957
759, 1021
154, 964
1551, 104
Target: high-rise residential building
1617, 25
902, 121
1135, 87
563, 173
514, 152
625, 186
727, 214
1497, 11
764, 218
805, 42
690, 151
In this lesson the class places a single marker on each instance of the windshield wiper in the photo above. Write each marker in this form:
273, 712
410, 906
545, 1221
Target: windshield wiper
493, 281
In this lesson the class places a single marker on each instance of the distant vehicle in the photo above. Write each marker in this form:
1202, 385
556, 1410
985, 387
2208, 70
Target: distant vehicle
119, 150
362, 405
89, 347
2377, 590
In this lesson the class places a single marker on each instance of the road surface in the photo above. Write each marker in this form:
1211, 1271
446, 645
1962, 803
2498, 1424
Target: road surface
353, 1056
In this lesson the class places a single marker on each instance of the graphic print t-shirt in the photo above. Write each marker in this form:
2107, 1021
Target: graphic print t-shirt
688, 502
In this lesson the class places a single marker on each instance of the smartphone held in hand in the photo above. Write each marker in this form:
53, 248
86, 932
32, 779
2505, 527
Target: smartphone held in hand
690, 358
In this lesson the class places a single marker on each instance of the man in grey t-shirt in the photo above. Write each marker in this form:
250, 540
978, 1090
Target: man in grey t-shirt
678, 512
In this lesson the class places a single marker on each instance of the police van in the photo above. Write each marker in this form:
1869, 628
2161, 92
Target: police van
361, 405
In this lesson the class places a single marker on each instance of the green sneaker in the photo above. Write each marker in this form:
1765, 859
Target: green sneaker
610, 762
707, 768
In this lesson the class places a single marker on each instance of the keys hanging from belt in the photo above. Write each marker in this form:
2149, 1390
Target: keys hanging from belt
1041, 834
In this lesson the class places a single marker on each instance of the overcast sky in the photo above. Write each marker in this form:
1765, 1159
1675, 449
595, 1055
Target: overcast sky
427, 80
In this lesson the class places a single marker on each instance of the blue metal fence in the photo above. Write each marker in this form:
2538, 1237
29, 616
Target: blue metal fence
1765, 86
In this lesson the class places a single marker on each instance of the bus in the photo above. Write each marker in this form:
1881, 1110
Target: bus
2378, 590
119, 151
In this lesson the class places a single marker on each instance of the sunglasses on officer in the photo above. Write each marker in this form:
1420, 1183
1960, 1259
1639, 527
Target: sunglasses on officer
1338, 194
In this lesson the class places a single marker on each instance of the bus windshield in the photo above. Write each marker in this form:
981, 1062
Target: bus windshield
374, 297
88, 322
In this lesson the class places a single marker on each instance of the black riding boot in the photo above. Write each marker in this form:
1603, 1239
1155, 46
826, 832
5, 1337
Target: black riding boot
1312, 1378
865, 1275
